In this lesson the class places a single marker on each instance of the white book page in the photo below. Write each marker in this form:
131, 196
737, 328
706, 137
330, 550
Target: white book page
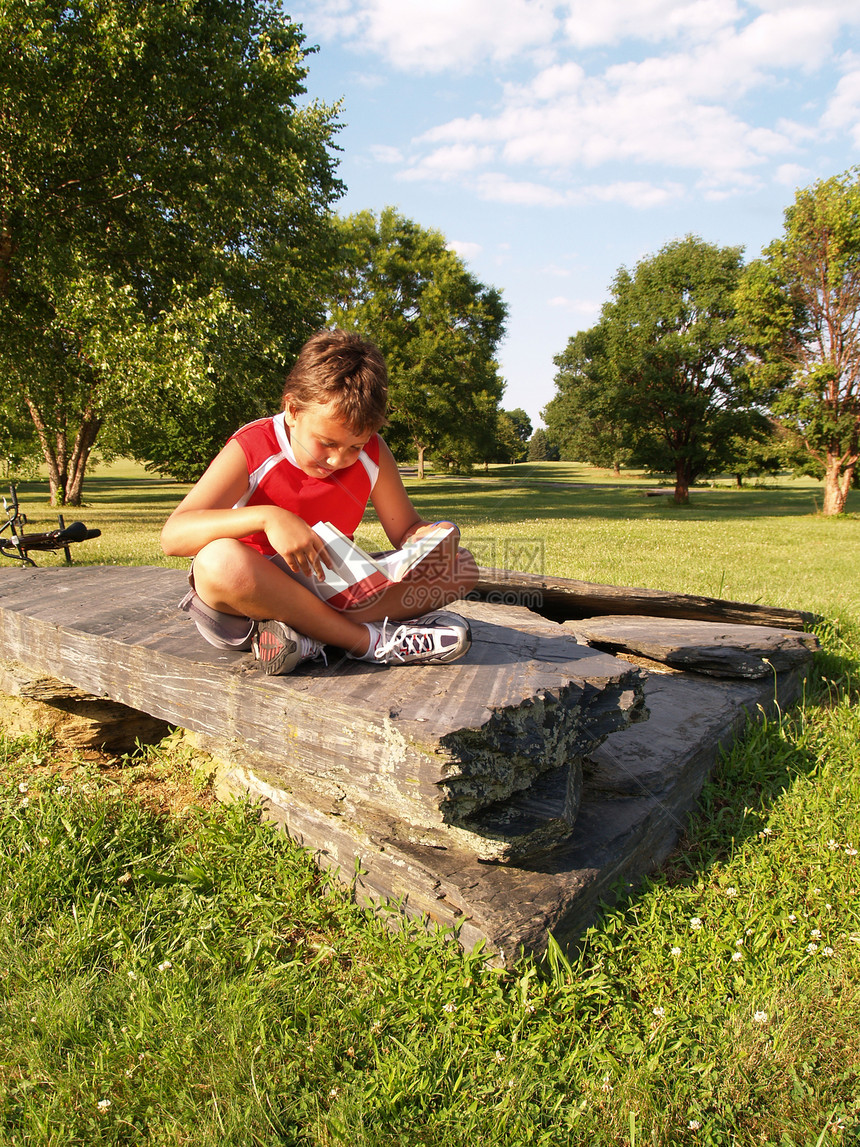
350, 563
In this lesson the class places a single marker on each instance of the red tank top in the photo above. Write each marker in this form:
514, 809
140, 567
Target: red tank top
275, 479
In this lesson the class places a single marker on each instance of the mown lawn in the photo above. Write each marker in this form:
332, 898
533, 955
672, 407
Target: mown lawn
192, 978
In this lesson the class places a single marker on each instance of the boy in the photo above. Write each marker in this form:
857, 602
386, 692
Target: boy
247, 525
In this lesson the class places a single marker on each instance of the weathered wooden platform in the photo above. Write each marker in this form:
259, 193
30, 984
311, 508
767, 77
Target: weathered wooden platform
454, 790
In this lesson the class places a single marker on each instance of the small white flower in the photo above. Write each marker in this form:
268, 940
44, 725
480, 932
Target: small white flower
529, 1009
132, 975
815, 933
737, 956
23, 787
812, 948
731, 893
749, 931
850, 851
760, 1018
103, 1104
828, 951
334, 1092
449, 1007
739, 943
792, 918
674, 951
124, 879
695, 924
25, 801
659, 1012
499, 1057
164, 966
829, 907
694, 1125
832, 845
62, 790
766, 832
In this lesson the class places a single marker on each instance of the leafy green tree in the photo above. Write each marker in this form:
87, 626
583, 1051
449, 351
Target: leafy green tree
163, 217
801, 301
672, 354
541, 447
19, 446
437, 326
513, 430
583, 416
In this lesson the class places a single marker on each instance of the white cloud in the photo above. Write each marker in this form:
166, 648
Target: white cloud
843, 110
438, 35
584, 308
447, 162
591, 24
791, 174
383, 153
704, 102
464, 249
500, 188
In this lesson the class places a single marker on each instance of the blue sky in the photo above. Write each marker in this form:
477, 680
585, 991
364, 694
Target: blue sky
552, 143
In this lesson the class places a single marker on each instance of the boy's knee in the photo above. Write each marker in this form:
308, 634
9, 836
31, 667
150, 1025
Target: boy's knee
466, 572
220, 564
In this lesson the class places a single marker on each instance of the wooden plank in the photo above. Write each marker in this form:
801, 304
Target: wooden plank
434, 745
564, 599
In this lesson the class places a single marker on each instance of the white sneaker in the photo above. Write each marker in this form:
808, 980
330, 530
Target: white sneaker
437, 636
279, 648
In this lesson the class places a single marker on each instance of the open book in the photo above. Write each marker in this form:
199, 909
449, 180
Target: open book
353, 577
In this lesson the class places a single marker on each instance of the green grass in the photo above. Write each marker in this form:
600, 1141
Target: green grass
202, 981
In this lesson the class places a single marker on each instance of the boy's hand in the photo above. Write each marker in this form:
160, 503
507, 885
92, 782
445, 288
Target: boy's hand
295, 541
429, 526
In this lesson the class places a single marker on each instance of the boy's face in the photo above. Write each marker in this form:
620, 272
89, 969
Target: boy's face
321, 441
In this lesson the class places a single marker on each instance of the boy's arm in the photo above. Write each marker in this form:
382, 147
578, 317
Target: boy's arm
399, 518
206, 513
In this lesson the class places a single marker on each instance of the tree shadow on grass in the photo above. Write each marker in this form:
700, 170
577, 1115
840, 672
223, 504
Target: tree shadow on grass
108, 490
473, 503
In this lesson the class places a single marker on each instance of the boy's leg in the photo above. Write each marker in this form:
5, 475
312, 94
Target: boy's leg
235, 579
448, 574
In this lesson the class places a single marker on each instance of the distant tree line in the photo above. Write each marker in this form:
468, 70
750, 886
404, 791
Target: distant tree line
701, 365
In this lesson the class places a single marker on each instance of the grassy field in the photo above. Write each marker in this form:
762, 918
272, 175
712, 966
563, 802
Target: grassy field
192, 979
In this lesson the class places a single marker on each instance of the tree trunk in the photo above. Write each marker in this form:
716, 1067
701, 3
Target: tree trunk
84, 442
616, 468
65, 472
739, 481
682, 482
837, 483
421, 450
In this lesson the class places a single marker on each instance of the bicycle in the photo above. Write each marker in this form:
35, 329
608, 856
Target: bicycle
18, 544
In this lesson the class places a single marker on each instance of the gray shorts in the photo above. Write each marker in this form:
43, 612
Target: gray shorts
223, 630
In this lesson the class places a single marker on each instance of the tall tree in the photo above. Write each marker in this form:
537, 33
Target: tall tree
802, 301
583, 417
163, 212
437, 326
677, 361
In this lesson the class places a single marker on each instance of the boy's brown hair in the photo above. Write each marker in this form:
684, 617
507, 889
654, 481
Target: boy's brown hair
341, 368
